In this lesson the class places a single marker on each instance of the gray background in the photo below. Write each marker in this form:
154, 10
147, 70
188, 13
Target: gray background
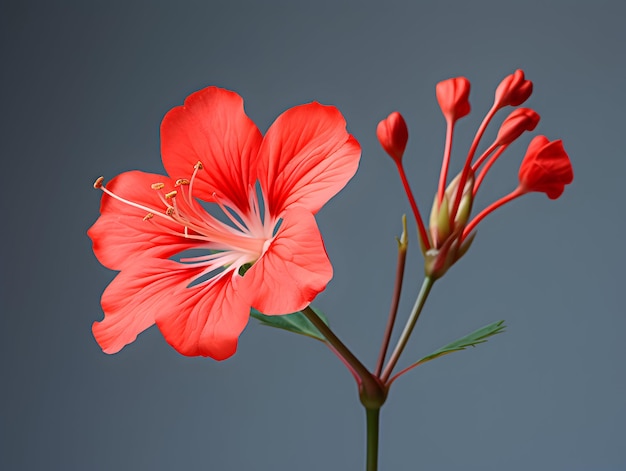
84, 88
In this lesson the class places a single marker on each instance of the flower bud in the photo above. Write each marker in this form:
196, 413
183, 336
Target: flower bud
546, 168
520, 120
393, 135
453, 98
441, 225
513, 90
438, 261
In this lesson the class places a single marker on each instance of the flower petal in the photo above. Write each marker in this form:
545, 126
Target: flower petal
306, 157
121, 235
134, 296
546, 168
294, 269
206, 320
213, 128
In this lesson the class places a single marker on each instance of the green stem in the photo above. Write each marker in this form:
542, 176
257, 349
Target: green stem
372, 416
408, 328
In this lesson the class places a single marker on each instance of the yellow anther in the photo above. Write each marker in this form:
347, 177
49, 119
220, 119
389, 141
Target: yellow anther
157, 186
199, 165
98, 183
182, 181
171, 194
170, 211
148, 216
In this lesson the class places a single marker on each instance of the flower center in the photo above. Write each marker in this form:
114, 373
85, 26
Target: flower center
229, 246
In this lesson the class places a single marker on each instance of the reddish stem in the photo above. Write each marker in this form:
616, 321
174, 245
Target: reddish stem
486, 168
395, 300
489, 209
418, 218
484, 156
468, 161
443, 176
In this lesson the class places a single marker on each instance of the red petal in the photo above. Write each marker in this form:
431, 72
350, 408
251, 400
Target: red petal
306, 157
546, 168
212, 128
121, 235
293, 270
132, 299
205, 320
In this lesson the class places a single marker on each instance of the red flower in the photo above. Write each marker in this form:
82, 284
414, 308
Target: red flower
393, 135
546, 168
453, 97
513, 90
269, 256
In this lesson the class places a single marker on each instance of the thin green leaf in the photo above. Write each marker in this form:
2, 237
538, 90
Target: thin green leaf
296, 322
471, 340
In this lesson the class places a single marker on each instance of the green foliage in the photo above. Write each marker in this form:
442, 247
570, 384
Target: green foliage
471, 340
296, 322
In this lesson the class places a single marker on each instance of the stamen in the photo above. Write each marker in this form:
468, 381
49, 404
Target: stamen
188, 195
229, 215
181, 181
98, 183
146, 209
169, 211
171, 194
157, 186
148, 216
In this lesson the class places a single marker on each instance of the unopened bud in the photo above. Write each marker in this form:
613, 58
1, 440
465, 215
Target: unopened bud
442, 224
462, 214
520, 120
393, 135
453, 98
513, 90
439, 223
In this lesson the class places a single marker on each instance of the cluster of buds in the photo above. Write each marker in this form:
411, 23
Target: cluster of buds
545, 167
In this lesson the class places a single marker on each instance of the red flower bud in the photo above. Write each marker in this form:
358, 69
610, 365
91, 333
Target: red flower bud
453, 98
393, 135
513, 90
520, 120
546, 168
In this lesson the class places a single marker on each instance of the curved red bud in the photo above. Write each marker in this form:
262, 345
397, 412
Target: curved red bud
546, 168
513, 90
453, 98
520, 120
393, 135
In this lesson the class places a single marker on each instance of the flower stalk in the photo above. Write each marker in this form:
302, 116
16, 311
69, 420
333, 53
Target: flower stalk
427, 285
371, 391
403, 243
372, 417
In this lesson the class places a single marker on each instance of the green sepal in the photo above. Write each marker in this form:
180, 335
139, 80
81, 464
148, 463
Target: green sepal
296, 322
471, 340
